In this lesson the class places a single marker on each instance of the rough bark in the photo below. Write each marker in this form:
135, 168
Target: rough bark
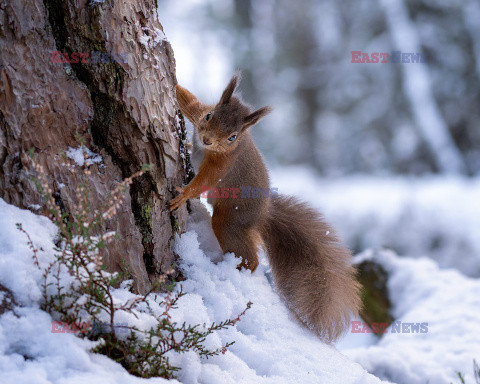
126, 112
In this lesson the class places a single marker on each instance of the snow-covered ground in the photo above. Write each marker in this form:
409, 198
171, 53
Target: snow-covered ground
269, 346
446, 303
29, 352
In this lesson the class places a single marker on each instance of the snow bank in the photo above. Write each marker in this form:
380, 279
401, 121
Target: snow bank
450, 304
269, 347
29, 351
437, 217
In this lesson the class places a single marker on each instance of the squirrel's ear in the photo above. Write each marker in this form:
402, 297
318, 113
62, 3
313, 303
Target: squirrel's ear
254, 117
184, 96
228, 92
189, 104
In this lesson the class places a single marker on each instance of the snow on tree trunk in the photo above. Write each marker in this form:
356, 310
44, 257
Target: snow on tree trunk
125, 109
417, 87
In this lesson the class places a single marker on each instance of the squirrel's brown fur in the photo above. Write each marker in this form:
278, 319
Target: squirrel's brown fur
311, 268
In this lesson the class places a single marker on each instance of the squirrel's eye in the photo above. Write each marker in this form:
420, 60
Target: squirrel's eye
231, 138
208, 116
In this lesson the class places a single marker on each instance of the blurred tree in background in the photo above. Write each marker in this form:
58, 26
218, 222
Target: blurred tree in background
335, 115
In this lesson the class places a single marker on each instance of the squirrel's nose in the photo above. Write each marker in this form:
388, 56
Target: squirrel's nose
207, 141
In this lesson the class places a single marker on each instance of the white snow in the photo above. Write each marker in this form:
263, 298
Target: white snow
159, 36
450, 304
29, 351
151, 37
82, 155
269, 346
144, 39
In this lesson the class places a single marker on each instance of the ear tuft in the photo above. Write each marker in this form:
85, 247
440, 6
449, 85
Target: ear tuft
232, 85
184, 96
254, 117
189, 104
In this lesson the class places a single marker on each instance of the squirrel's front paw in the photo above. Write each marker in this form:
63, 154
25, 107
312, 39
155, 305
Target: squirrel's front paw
178, 201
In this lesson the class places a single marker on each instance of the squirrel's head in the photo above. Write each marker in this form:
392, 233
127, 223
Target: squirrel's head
220, 127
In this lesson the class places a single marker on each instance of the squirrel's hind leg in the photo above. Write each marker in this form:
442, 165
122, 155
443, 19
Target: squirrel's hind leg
243, 242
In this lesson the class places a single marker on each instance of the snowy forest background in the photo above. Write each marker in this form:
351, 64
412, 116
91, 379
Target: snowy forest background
338, 117
389, 152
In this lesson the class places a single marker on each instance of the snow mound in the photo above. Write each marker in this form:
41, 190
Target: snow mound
269, 346
29, 351
445, 299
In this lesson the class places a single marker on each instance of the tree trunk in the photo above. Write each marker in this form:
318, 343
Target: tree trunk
418, 91
125, 110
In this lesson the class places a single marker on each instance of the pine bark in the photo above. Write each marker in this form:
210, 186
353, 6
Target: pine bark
125, 110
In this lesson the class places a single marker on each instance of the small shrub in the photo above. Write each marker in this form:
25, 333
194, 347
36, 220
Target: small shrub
77, 289
476, 374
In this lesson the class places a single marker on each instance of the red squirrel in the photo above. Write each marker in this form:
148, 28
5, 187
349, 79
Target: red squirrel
311, 268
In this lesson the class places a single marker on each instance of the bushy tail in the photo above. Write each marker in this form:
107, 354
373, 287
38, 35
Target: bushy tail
311, 268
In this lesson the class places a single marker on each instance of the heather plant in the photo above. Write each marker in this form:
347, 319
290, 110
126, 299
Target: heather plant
476, 374
77, 288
